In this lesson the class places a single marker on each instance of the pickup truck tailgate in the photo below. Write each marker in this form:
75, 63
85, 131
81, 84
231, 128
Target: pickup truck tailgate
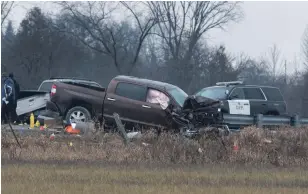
31, 103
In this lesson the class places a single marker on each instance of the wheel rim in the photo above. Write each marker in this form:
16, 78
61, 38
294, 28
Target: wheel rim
77, 116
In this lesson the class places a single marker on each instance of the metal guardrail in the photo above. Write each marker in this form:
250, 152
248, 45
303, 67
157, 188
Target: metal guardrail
259, 120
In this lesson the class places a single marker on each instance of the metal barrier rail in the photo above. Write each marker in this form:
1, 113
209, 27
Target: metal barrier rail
260, 120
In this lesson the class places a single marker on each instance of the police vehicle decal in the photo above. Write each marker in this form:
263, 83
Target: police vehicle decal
241, 107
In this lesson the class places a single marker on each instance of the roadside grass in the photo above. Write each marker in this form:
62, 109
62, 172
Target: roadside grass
266, 162
287, 147
81, 178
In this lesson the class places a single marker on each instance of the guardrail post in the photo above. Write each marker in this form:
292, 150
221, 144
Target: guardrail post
258, 120
121, 127
295, 121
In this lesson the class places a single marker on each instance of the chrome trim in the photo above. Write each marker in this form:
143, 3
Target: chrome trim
111, 99
145, 106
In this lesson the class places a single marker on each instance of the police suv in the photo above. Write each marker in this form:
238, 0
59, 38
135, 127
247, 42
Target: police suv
241, 99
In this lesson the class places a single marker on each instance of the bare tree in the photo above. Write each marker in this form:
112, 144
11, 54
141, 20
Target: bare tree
106, 36
6, 8
188, 21
275, 60
305, 47
183, 23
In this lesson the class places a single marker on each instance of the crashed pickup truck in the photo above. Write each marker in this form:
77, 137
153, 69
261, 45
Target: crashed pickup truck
140, 102
35, 100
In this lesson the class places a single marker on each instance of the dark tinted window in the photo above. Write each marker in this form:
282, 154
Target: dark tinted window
253, 94
131, 91
46, 86
237, 93
273, 94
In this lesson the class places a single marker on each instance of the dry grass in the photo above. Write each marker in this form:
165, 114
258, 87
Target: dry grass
288, 148
29, 178
266, 162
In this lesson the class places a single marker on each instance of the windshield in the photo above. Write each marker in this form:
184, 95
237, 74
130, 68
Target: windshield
179, 95
215, 93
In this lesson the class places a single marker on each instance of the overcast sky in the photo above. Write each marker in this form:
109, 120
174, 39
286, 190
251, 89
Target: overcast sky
265, 24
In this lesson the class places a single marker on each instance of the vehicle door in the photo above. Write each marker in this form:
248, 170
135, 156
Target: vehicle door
274, 100
256, 99
154, 107
127, 100
237, 102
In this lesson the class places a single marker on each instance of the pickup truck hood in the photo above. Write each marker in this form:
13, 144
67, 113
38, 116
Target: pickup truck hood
195, 102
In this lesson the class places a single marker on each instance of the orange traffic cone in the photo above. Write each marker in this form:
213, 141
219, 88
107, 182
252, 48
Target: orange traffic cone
71, 130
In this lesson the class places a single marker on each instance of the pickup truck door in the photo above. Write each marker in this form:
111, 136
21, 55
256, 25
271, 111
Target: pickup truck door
127, 100
153, 113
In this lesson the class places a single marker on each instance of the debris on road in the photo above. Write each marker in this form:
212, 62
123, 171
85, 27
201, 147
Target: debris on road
52, 136
134, 135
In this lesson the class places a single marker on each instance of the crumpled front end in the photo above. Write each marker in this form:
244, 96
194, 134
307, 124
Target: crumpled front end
202, 111
198, 113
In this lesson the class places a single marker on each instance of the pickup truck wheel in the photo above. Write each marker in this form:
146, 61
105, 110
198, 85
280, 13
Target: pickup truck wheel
79, 114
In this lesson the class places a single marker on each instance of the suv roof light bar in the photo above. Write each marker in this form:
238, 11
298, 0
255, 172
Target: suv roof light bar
229, 83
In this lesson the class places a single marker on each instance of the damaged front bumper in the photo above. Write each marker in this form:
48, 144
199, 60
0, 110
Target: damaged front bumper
199, 116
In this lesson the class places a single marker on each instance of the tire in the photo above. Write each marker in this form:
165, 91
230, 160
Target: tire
78, 112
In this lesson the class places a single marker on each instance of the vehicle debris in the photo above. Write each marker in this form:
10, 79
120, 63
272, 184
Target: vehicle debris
134, 135
199, 116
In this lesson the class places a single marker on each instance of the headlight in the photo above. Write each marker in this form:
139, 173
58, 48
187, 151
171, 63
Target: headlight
219, 109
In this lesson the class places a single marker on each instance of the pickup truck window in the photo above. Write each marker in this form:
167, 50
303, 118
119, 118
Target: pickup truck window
253, 94
131, 91
157, 97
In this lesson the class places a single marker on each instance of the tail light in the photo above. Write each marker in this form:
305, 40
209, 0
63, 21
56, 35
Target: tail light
53, 90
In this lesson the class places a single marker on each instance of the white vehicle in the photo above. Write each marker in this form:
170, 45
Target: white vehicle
30, 101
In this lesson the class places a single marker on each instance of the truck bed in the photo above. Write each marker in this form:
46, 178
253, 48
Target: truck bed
70, 94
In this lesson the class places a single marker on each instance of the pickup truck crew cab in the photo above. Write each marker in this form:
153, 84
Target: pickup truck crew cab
239, 98
136, 100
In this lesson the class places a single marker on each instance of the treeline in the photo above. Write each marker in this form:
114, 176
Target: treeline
157, 40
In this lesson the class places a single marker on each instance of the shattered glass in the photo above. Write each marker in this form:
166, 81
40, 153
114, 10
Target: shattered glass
157, 97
